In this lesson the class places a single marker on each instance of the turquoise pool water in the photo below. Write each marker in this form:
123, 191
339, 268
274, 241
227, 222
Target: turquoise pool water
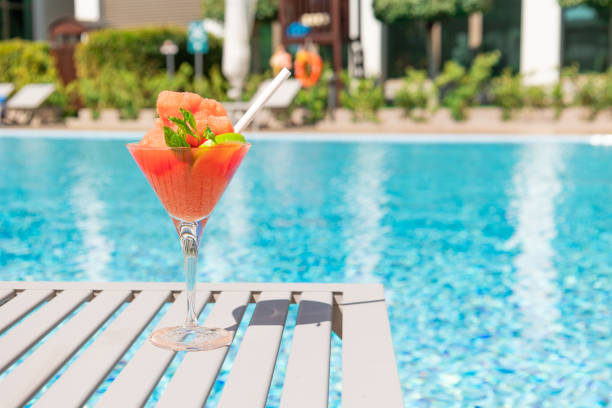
495, 256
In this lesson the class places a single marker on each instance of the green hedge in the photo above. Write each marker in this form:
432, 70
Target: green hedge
123, 68
137, 50
23, 62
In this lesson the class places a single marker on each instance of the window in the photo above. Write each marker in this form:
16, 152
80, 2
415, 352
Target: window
407, 47
15, 19
501, 30
585, 37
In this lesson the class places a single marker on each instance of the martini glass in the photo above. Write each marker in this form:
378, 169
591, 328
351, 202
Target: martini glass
189, 182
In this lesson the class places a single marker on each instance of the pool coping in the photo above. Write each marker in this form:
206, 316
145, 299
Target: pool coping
592, 139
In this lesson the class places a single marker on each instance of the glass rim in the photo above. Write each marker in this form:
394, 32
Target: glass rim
184, 149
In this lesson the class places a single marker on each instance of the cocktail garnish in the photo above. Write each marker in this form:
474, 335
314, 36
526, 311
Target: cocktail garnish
210, 135
174, 139
187, 126
230, 137
213, 139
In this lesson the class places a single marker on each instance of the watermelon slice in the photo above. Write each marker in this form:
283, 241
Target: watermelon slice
207, 112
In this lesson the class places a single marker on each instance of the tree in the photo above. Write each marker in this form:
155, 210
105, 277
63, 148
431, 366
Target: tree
215, 9
431, 12
601, 5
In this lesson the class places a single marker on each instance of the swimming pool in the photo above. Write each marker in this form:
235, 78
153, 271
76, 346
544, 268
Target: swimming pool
495, 256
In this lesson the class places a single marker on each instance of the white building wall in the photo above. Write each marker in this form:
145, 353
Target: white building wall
540, 41
371, 40
87, 10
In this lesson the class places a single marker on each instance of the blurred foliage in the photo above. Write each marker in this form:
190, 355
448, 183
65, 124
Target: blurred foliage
596, 3
214, 86
559, 98
535, 97
215, 9
451, 75
137, 50
314, 98
152, 86
124, 90
507, 93
130, 79
24, 62
590, 91
364, 97
594, 91
390, 11
252, 84
464, 87
417, 94
123, 69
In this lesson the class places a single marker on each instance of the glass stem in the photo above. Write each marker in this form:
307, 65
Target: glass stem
189, 243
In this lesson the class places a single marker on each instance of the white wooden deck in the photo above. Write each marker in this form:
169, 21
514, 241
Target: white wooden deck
355, 312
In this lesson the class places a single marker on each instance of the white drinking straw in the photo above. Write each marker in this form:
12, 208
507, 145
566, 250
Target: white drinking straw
261, 100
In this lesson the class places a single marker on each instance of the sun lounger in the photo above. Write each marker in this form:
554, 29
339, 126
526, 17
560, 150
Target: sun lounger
280, 100
22, 107
355, 312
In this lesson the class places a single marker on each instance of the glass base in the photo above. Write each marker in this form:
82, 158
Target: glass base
196, 338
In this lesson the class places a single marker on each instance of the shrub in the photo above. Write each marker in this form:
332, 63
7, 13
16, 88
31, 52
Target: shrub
264, 9
416, 93
590, 94
607, 88
25, 62
314, 99
113, 89
465, 87
364, 97
123, 69
252, 84
559, 98
137, 50
506, 92
152, 86
535, 97
214, 87
450, 76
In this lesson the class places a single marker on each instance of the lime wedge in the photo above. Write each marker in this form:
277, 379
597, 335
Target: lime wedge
230, 137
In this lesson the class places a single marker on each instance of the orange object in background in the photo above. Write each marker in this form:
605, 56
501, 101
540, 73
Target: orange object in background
280, 59
308, 67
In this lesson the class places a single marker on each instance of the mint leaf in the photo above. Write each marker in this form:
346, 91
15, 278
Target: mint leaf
182, 125
210, 135
188, 116
230, 137
173, 139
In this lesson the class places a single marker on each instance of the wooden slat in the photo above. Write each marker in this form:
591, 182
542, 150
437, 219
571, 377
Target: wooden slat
5, 295
249, 380
18, 307
85, 374
195, 376
39, 323
307, 377
180, 286
369, 371
136, 381
27, 378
